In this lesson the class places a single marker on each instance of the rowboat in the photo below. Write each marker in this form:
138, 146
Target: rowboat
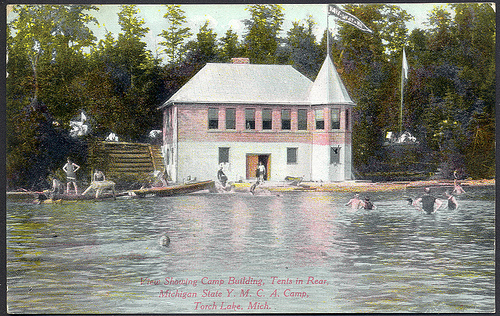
176, 189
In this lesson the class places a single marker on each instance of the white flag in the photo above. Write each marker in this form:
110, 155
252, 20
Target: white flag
405, 66
347, 18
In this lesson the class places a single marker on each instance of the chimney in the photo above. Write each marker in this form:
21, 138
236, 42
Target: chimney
240, 60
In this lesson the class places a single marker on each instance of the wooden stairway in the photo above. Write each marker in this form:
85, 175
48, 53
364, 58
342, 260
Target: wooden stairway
126, 162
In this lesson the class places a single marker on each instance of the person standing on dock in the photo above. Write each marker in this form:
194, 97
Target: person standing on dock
262, 172
355, 202
221, 176
428, 202
70, 168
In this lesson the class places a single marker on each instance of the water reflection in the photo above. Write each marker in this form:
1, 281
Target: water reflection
91, 257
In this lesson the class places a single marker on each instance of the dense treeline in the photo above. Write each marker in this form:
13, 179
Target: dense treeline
58, 69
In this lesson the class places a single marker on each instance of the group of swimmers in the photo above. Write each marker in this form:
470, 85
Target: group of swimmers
427, 202
357, 203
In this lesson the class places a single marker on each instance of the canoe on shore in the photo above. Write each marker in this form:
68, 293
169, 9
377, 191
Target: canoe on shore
176, 189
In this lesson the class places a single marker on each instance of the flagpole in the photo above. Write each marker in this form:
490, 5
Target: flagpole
401, 107
327, 33
404, 74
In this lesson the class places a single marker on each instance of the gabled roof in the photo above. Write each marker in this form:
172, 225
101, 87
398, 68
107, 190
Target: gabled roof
244, 83
262, 84
328, 87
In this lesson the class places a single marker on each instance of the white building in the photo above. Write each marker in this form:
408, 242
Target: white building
238, 115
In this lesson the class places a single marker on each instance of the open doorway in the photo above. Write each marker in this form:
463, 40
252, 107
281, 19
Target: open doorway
253, 161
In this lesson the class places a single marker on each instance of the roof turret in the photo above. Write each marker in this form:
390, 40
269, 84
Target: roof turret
328, 87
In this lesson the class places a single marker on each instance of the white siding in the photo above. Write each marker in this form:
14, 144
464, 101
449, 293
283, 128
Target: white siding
201, 160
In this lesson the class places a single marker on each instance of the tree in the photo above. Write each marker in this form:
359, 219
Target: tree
230, 46
175, 34
451, 91
371, 75
305, 53
262, 38
135, 77
131, 25
45, 45
204, 49
50, 37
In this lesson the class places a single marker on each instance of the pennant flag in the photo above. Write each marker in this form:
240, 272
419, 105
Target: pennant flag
347, 18
405, 66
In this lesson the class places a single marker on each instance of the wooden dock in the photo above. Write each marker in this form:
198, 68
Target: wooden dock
176, 189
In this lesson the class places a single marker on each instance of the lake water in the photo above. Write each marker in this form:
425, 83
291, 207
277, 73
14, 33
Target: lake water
299, 252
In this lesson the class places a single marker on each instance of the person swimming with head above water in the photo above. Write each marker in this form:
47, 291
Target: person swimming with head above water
367, 204
355, 202
452, 202
428, 202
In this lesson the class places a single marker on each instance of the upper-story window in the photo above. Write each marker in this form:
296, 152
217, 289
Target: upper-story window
250, 118
213, 118
168, 118
285, 120
320, 120
335, 118
267, 119
346, 119
230, 118
302, 119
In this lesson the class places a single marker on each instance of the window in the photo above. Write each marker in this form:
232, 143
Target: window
285, 120
168, 120
213, 118
168, 156
347, 119
223, 154
320, 121
291, 155
267, 119
334, 155
250, 118
335, 118
302, 118
230, 118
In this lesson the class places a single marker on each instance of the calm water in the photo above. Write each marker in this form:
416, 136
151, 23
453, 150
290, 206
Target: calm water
105, 257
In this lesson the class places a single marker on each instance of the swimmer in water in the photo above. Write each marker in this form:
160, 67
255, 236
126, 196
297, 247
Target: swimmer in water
355, 202
428, 202
457, 189
254, 186
452, 202
164, 241
367, 204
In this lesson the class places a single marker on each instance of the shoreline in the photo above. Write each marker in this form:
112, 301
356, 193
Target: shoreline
347, 186
358, 186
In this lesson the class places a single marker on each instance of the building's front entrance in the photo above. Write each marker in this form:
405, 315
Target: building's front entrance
253, 161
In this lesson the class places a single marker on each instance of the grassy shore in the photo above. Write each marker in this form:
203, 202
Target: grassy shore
361, 186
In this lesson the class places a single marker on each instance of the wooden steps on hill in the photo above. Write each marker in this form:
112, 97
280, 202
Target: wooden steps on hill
131, 161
